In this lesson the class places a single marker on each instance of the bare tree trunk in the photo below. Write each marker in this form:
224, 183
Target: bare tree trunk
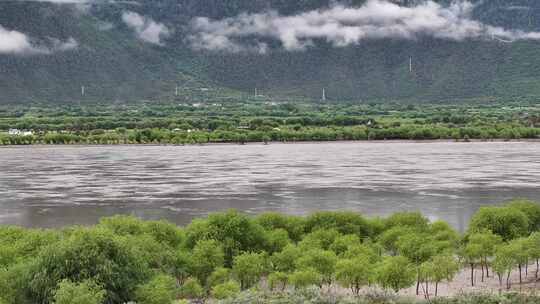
520, 280
487, 268
418, 282
508, 286
472, 274
527, 268
436, 288
482, 272
537, 268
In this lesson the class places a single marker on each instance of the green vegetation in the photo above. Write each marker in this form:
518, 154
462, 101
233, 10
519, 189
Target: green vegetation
150, 123
232, 256
114, 65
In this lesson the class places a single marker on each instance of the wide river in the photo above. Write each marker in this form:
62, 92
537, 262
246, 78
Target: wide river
51, 186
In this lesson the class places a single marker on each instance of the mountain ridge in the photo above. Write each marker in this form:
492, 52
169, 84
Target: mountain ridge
114, 64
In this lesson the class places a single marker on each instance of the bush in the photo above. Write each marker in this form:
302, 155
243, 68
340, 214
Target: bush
225, 290
161, 289
89, 254
305, 278
86, 292
191, 289
507, 222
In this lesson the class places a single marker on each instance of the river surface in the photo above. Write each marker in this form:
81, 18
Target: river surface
52, 186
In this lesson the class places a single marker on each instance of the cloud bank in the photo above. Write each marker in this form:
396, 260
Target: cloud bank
15, 42
343, 26
146, 29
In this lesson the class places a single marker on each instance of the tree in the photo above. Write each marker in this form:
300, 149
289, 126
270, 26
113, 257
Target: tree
206, 257
276, 240
89, 254
286, 259
86, 292
530, 209
472, 253
396, 273
413, 220
219, 276
504, 262
235, 231
226, 290
520, 254
191, 289
305, 278
442, 268
507, 222
487, 242
389, 238
534, 250
161, 289
323, 261
418, 248
343, 243
354, 273
248, 268
343, 222
278, 280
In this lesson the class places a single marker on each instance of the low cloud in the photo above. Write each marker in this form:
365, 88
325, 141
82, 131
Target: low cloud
343, 26
15, 42
146, 29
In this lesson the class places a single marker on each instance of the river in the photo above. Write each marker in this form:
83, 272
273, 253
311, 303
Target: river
54, 186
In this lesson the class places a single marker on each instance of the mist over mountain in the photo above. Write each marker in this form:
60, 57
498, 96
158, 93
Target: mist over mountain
371, 50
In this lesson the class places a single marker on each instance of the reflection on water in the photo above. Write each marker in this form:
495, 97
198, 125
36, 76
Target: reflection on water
59, 185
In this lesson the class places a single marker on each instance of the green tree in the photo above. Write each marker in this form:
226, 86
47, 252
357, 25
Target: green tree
248, 268
487, 241
396, 273
442, 268
507, 222
226, 290
472, 254
86, 292
323, 261
504, 262
530, 209
159, 290
206, 257
191, 289
285, 260
278, 280
219, 276
418, 248
89, 254
354, 273
305, 278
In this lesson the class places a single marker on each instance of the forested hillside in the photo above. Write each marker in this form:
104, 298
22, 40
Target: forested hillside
138, 50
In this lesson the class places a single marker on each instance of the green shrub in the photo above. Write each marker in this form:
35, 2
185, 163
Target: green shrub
161, 289
191, 289
86, 292
226, 290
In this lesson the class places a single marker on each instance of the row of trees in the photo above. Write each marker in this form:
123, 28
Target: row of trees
125, 259
163, 136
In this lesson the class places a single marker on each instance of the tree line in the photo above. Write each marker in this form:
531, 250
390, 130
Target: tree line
124, 259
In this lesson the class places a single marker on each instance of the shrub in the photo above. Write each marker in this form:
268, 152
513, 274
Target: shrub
161, 289
225, 290
191, 289
86, 292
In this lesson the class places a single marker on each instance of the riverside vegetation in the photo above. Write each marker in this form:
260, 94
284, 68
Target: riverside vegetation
269, 258
263, 121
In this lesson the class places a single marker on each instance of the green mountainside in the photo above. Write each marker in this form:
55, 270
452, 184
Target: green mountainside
113, 65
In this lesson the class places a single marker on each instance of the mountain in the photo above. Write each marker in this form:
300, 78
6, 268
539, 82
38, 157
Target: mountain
141, 50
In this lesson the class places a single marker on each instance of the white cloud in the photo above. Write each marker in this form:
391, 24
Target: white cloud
15, 42
147, 29
343, 26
